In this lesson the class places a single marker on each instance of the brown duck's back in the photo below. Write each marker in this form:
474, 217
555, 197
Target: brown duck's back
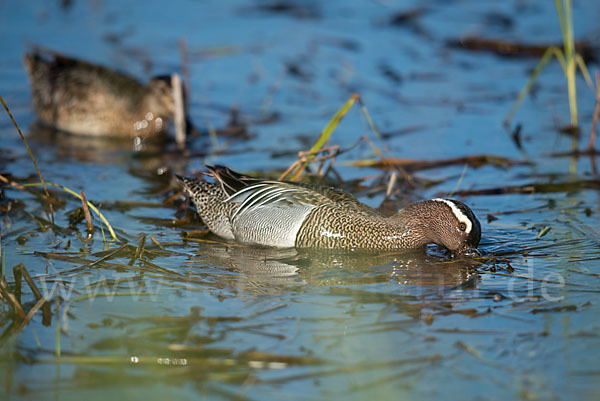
88, 99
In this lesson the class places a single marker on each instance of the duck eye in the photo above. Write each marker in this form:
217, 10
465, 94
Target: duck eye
462, 226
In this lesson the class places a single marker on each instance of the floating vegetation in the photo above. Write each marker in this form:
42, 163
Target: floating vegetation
43, 183
533, 188
545, 230
506, 48
415, 165
88, 203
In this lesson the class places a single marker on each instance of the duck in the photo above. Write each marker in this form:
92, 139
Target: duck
82, 98
285, 214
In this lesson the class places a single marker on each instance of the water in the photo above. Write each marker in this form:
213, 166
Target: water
200, 318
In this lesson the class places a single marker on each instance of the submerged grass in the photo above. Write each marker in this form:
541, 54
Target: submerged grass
14, 299
11, 299
57, 324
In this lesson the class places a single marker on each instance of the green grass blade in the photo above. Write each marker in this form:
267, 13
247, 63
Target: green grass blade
551, 51
569, 53
584, 71
568, 40
363, 107
333, 123
572, 90
460, 179
561, 59
324, 136
561, 18
568, 59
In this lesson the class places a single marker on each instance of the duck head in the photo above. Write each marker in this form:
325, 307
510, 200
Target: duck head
446, 222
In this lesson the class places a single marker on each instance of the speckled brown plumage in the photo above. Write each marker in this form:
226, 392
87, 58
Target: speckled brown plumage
284, 214
209, 201
332, 226
86, 99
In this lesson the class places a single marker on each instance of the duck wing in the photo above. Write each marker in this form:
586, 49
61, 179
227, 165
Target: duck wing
233, 183
276, 194
271, 213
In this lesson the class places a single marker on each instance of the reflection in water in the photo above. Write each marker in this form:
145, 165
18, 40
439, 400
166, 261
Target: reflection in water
295, 306
147, 158
263, 268
249, 268
86, 149
79, 148
409, 268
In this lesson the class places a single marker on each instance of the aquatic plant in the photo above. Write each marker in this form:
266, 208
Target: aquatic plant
45, 184
568, 58
87, 203
297, 168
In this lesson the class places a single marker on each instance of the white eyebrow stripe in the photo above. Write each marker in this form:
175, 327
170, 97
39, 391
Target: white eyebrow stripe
458, 213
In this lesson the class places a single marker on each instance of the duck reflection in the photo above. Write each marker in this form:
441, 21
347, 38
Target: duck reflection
267, 268
250, 269
150, 154
96, 150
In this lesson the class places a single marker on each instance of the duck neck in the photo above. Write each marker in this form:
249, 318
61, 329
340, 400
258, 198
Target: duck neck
415, 229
